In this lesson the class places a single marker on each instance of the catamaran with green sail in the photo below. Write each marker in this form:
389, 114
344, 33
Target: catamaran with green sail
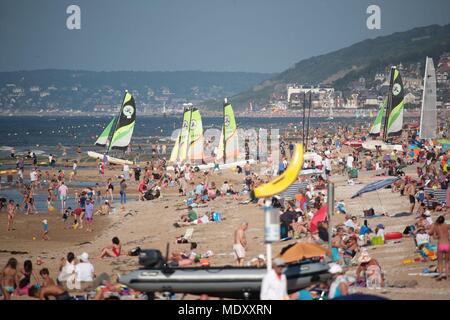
189, 144
392, 111
117, 134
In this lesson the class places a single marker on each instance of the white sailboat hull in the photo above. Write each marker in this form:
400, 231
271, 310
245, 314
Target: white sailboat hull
112, 160
221, 166
372, 146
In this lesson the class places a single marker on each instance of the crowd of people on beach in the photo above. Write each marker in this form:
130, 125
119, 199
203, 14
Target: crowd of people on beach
302, 216
76, 275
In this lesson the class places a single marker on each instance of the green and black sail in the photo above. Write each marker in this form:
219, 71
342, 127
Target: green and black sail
395, 106
375, 130
125, 124
103, 139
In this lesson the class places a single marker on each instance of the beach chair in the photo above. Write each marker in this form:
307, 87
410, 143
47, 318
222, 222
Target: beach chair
439, 196
187, 238
292, 190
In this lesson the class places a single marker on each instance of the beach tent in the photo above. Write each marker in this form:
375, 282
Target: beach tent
300, 251
375, 186
320, 215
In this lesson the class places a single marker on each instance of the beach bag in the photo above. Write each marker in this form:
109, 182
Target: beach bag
217, 216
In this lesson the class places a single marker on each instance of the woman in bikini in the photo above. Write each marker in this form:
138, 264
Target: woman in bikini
24, 203
24, 282
440, 231
11, 213
9, 278
112, 250
110, 189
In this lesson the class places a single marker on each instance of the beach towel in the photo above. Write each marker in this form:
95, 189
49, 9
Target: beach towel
402, 214
374, 216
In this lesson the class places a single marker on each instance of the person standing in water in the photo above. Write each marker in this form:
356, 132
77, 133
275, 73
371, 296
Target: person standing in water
89, 214
123, 193
74, 170
240, 244
63, 190
110, 189
11, 213
440, 230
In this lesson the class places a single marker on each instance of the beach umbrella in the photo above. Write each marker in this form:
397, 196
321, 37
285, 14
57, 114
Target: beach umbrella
376, 186
320, 215
301, 251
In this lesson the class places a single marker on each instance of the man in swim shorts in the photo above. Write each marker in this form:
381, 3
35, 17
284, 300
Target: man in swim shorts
411, 191
240, 244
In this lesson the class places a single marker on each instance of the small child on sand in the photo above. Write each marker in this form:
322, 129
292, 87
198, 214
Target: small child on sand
50, 206
65, 216
45, 231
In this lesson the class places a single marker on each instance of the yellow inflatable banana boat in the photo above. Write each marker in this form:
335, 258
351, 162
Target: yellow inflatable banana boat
290, 175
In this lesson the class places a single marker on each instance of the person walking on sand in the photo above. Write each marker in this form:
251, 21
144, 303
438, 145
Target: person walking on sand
45, 230
62, 190
123, 193
11, 208
411, 192
440, 230
240, 244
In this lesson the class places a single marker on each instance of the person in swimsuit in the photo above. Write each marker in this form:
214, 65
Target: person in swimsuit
78, 213
25, 278
9, 278
240, 243
11, 208
89, 211
112, 250
110, 189
123, 193
411, 191
440, 231
43, 293
46, 280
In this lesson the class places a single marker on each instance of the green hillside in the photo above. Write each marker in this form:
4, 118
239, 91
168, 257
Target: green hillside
364, 58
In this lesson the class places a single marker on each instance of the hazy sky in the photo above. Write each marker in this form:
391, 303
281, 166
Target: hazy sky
208, 35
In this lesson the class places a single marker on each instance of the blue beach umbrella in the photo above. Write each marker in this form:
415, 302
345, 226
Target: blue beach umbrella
376, 186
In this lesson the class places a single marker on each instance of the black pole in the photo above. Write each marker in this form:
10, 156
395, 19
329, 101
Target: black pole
223, 134
388, 108
188, 142
304, 118
309, 116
